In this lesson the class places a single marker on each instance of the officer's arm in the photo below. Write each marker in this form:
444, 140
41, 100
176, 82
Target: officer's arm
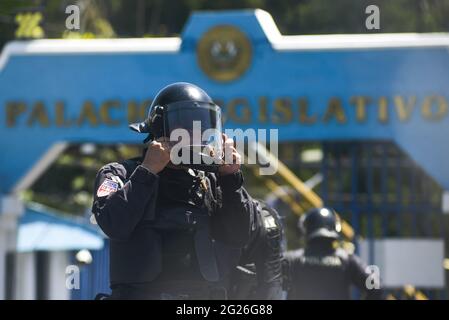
268, 258
120, 203
362, 279
269, 275
235, 216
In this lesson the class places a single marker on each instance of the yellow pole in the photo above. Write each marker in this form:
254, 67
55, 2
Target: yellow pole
308, 194
277, 190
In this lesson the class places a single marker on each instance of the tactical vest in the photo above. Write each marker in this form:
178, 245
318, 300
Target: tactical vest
173, 242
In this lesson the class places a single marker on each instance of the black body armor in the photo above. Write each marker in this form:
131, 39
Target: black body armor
170, 233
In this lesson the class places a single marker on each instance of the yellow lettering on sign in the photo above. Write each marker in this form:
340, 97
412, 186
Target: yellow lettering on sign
427, 110
238, 110
61, 121
39, 114
105, 109
360, 107
383, 110
138, 111
263, 110
404, 109
244, 116
88, 115
13, 110
304, 118
282, 111
335, 110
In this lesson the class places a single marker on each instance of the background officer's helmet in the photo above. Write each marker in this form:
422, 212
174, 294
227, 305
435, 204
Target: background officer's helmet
320, 223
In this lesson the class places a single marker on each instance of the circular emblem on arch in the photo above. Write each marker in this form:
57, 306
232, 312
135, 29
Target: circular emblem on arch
224, 53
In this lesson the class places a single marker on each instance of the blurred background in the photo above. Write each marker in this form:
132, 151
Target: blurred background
374, 185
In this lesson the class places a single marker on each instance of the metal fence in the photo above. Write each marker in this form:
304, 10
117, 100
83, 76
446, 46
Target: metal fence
377, 188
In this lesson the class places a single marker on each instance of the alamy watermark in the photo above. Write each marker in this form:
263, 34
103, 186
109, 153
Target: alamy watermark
72, 280
372, 22
72, 22
373, 279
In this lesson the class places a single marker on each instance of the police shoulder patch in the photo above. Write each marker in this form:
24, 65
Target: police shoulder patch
107, 187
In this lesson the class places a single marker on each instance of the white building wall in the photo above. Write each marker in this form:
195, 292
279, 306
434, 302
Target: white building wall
25, 280
3, 251
10, 210
407, 261
57, 264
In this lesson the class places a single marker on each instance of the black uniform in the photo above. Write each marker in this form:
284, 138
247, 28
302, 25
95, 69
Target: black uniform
321, 272
259, 273
175, 235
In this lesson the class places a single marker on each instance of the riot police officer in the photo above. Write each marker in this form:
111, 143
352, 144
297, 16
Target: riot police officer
320, 270
259, 273
176, 229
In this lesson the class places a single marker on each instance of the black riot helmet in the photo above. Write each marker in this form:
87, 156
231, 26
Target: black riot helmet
320, 223
185, 106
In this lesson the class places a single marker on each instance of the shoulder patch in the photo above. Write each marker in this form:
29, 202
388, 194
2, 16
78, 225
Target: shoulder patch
107, 187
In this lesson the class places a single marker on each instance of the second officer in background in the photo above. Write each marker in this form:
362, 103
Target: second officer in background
321, 271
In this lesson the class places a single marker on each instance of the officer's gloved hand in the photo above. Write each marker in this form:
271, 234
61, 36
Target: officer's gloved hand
157, 156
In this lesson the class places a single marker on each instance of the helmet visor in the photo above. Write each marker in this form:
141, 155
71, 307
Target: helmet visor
195, 125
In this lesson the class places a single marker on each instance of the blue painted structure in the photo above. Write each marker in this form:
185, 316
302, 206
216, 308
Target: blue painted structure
70, 74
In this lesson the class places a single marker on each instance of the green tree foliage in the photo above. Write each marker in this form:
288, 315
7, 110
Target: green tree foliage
137, 18
68, 184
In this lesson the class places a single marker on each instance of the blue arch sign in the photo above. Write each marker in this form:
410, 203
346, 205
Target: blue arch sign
329, 87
